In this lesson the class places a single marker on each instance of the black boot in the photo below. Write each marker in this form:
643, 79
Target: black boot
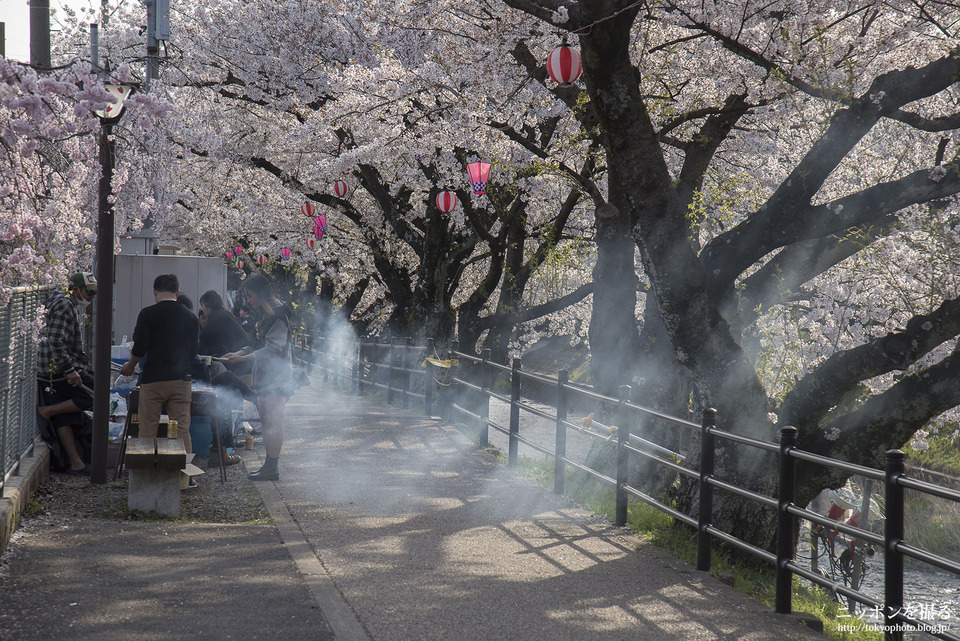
268, 472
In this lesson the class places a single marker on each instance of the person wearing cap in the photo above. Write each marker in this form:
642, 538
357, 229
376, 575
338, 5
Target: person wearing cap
63, 365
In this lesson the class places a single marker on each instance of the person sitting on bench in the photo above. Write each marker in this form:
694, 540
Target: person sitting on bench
65, 384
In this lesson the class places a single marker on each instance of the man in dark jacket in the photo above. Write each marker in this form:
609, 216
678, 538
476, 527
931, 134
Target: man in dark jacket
167, 335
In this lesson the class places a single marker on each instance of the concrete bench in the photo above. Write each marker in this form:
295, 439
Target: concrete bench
155, 468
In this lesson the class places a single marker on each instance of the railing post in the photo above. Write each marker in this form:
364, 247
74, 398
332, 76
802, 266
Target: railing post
405, 373
559, 468
391, 363
326, 359
892, 537
483, 409
355, 370
514, 412
360, 368
429, 382
446, 393
707, 453
623, 459
785, 497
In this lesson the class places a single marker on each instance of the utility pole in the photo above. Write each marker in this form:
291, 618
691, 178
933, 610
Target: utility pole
40, 34
3, 39
158, 28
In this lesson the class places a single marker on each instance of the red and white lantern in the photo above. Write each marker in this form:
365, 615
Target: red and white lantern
239, 264
308, 209
340, 188
285, 253
564, 64
261, 259
311, 242
479, 173
447, 201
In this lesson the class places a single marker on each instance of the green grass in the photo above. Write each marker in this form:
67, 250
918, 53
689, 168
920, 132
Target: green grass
33, 508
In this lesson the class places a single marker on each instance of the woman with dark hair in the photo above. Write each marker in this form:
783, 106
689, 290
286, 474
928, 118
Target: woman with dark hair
272, 369
222, 332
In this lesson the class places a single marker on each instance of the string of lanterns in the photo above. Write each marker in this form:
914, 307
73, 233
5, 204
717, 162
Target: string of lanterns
564, 66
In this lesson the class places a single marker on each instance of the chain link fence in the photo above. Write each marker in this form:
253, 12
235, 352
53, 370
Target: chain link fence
18, 396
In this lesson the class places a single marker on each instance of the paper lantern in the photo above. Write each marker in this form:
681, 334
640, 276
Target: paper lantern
340, 188
311, 242
239, 264
230, 254
308, 209
479, 173
319, 226
285, 253
237, 250
446, 201
261, 259
564, 64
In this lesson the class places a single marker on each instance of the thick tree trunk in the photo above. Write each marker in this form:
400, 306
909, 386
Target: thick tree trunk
700, 337
613, 333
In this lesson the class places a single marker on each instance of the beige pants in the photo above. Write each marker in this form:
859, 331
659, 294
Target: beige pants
176, 396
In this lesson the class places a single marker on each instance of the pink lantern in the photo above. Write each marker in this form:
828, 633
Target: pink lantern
446, 201
308, 209
285, 253
319, 226
340, 188
261, 259
237, 250
230, 254
311, 242
564, 64
479, 173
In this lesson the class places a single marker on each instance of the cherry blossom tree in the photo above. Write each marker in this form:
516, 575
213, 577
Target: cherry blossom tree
272, 121
760, 154
783, 172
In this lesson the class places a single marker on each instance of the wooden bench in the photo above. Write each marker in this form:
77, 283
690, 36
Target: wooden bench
155, 468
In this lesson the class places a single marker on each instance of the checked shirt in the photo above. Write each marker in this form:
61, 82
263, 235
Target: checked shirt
62, 345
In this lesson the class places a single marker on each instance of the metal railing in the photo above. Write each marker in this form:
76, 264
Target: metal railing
470, 391
18, 377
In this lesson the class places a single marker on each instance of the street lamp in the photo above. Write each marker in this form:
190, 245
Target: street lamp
103, 327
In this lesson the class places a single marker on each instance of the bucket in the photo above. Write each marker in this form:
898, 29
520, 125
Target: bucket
201, 435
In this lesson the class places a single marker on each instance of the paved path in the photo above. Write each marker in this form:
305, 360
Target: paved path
417, 534
388, 527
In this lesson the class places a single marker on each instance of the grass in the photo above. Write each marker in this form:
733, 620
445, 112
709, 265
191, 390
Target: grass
33, 508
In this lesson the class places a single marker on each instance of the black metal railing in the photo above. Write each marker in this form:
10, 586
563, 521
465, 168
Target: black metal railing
467, 389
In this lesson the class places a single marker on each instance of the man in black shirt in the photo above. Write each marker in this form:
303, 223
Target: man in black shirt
167, 334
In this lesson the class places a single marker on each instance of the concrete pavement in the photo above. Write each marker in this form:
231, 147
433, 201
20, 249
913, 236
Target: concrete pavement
419, 534
387, 527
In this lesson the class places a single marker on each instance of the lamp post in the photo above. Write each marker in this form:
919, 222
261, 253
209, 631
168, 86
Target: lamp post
103, 327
